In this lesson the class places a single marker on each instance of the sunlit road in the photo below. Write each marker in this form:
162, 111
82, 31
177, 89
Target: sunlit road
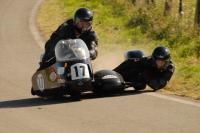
20, 112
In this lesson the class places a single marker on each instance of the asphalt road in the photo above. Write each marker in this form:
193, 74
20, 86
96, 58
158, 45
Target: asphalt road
20, 112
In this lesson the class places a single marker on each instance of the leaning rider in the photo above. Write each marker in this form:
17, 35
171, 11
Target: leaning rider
154, 71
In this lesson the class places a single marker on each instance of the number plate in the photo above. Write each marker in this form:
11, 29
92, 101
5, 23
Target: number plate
79, 71
40, 82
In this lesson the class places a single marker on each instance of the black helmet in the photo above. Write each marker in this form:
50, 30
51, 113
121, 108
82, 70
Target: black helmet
134, 54
83, 14
161, 52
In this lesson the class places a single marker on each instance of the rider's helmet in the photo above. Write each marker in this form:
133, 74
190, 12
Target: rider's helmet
83, 19
161, 56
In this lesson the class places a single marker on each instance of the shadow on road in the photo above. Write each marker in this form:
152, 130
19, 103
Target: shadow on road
38, 101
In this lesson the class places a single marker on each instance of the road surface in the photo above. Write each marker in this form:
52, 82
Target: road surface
20, 112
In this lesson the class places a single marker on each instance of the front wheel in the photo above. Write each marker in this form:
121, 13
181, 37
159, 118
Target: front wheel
75, 95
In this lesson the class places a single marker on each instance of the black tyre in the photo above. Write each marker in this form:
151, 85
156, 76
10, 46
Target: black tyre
32, 91
138, 87
75, 95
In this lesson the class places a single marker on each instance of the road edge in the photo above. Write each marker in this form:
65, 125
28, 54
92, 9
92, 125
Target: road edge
175, 98
33, 26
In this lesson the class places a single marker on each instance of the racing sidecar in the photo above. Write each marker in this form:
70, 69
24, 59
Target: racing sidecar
72, 73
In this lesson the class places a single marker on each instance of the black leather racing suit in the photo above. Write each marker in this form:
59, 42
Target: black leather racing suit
143, 72
68, 30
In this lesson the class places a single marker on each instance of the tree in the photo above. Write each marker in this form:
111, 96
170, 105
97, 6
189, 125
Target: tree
134, 2
153, 2
180, 9
150, 2
167, 7
197, 13
197, 24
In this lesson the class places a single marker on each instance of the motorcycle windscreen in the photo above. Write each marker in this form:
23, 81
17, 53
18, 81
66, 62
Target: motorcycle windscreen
71, 50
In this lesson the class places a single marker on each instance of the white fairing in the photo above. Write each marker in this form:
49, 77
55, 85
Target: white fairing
79, 71
71, 50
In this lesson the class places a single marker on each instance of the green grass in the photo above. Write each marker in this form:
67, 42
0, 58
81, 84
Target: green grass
122, 26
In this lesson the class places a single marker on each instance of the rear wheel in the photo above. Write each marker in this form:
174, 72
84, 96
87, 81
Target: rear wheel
139, 87
98, 92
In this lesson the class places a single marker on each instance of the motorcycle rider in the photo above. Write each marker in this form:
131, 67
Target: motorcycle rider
154, 71
78, 27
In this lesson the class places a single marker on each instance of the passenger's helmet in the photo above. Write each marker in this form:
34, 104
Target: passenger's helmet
161, 55
161, 52
83, 19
